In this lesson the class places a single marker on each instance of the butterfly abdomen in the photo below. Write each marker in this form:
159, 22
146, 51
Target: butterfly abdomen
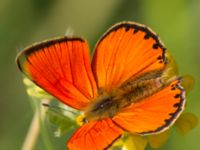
143, 86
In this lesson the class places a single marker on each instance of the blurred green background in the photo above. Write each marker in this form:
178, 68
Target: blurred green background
23, 22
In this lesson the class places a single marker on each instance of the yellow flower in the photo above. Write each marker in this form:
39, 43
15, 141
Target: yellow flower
185, 123
135, 142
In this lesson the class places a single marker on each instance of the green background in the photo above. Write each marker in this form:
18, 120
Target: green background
23, 22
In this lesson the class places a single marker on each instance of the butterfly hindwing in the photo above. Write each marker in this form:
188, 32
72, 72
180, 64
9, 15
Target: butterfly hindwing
95, 135
126, 50
154, 113
62, 68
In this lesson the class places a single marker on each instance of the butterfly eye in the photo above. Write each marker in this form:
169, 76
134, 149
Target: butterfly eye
102, 105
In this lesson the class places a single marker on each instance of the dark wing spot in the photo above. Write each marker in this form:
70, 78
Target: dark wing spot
147, 36
159, 57
176, 105
173, 88
135, 30
173, 85
167, 121
127, 28
155, 45
177, 96
171, 114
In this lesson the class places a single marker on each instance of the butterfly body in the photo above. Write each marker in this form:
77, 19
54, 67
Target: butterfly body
108, 104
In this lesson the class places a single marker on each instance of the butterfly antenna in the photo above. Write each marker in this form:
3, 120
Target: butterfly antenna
57, 107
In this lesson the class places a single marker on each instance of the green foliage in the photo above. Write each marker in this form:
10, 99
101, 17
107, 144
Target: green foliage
26, 21
61, 122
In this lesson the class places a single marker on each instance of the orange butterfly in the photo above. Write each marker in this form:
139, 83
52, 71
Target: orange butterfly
121, 90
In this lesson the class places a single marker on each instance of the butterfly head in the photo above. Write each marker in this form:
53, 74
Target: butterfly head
104, 106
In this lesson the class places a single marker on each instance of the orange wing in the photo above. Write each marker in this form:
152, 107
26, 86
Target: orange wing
96, 135
155, 113
62, 68
126, 50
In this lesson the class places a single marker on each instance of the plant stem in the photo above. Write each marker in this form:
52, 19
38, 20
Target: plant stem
44, 133
37, 125
33, 132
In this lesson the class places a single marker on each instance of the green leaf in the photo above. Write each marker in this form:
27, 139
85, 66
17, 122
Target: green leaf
60, 121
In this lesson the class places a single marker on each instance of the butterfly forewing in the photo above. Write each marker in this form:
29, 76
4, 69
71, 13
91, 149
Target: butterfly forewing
126, 50
62, 68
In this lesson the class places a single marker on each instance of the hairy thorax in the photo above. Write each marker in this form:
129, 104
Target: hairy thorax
108, 104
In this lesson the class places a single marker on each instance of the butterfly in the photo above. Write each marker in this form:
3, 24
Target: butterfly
121, 90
